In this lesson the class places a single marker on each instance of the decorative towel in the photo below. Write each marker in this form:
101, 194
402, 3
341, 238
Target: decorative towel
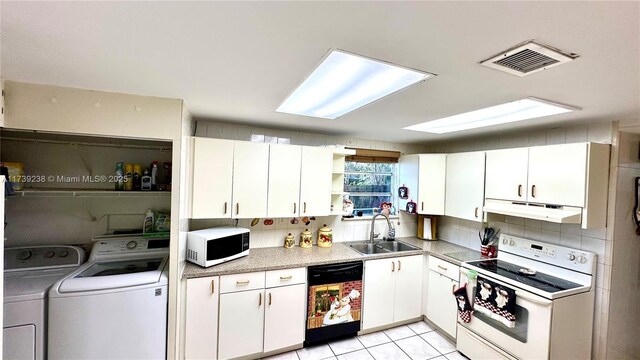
496, 301
464, 305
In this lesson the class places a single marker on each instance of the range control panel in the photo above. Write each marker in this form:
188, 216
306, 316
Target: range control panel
574, 259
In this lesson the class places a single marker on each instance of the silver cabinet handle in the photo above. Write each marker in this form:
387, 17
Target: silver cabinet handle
519, 190
475, 212
399, 265
442, 267
225, 207
393, 266
260, 300
243, 282
286, 277
237, 208
213, 286
294, 208
533, 191
304, 207
269, 299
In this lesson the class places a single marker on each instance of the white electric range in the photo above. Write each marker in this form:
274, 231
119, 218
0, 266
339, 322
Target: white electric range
554, 302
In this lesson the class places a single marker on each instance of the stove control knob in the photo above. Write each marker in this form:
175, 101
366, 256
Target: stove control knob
132, 244
63, 253
24, 255
582, 259
49, 254
571, 257
512, 243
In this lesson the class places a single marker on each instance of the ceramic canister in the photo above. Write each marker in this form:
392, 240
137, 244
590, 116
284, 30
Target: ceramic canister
289, 241
325, 236
306, 239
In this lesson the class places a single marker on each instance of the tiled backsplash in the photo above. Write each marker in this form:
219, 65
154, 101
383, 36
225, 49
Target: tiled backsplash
343, 230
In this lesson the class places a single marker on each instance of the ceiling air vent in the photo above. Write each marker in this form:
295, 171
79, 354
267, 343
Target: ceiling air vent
528, 58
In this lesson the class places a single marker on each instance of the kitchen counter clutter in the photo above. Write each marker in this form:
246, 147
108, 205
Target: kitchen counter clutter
276, 258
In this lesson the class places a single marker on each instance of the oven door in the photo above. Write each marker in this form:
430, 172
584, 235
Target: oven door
530, 337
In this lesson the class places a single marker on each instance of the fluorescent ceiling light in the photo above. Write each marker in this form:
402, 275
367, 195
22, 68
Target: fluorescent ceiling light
529, 108
344, 82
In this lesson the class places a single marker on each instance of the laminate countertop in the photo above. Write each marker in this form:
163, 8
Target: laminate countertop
277, 258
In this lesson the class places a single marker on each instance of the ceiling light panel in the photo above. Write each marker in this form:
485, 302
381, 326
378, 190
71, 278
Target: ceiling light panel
524, 109
344, 82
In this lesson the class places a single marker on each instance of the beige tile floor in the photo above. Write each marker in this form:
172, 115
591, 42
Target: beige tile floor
417, 341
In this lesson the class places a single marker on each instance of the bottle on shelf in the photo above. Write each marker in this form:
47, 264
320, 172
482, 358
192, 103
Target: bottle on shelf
137, 177
148, 222
167, 176
146, 180
119, 183
154, 175
128, 177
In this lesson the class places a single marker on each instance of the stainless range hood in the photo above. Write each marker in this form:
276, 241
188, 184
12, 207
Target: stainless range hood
551, 213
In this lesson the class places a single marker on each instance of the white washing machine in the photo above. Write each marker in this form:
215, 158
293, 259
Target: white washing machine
29, 273
115, 305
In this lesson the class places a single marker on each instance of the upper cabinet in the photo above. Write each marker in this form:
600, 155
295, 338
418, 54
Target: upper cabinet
315, 181
284, 181
245, 180
465, 185
250, 179
424, 176
559, 183
212, 172
507, 174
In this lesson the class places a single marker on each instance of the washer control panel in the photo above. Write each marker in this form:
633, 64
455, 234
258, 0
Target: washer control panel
128, 245
42, 257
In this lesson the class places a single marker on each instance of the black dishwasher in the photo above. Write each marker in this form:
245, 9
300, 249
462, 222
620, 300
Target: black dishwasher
334, 302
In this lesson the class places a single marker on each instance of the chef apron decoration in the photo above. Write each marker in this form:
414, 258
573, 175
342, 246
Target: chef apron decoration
496, 301
340, 310
464, 305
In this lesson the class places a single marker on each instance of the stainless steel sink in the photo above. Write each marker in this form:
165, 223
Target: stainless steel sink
382, 247
395, 246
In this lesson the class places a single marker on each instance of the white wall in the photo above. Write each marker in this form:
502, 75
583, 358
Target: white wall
465, 233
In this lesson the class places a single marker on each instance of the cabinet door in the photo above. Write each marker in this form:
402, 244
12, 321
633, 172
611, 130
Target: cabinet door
431, 184
241, 324
465, 185
507, 174
201, 324
557, 174
315, 181
284, 317
441, 305
284, 181
212, 178
250, 180
408, 294
379, 293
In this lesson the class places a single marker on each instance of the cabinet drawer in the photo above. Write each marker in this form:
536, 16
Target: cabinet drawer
286, 277
241, 282
445, 268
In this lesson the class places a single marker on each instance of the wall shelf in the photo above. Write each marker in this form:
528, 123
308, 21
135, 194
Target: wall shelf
87, 193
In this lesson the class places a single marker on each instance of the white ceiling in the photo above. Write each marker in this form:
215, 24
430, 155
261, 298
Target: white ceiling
237, 61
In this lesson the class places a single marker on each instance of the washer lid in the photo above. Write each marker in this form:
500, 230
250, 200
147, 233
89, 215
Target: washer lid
104, 275
31, 285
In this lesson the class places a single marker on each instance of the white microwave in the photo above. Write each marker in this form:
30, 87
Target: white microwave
214, 246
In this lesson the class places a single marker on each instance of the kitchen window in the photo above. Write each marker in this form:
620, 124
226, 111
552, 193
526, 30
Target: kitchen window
368, 185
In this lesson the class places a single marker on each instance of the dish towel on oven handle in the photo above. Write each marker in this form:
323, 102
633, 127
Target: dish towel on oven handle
496, 301
464, 305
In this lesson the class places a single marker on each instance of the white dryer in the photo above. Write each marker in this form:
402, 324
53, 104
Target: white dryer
29, 273
115, 305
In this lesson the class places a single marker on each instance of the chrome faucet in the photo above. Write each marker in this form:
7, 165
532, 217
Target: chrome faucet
390, 230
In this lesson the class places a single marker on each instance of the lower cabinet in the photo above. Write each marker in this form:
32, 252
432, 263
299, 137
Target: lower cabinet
441, 307
392, 291
245, 314
201, 320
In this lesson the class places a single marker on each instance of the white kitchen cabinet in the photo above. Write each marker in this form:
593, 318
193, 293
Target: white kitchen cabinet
241, 328
284, 181
507, 172
408, 291
212, 178
392, 291
315, 181
284, 317
250, 180
201, 324
465, 185
441, 307
557, 174
424, 176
